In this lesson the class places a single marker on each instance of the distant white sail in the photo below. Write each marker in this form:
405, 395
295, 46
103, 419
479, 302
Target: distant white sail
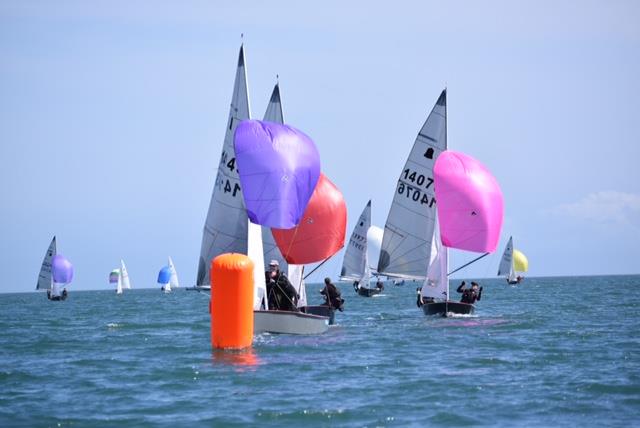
506, 263
408, 232
44, 277
355, 259
124, 275
271, 251
173, 282
225, 229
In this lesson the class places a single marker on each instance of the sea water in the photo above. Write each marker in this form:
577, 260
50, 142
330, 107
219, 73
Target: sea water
548, 352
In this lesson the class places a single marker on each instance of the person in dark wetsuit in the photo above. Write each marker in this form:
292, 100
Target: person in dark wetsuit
282, 296
470, 295
356, 285
332, 295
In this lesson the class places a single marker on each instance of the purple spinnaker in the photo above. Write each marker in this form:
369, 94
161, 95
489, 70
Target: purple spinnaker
61, 269
279, 167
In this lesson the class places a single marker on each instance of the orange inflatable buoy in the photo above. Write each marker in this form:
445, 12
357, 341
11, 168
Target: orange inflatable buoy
231, 303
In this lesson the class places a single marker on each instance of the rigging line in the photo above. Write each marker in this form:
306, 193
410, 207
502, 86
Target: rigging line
316, 268
467, 264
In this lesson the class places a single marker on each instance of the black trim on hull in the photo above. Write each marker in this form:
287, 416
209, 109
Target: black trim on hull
368, 292
439, 308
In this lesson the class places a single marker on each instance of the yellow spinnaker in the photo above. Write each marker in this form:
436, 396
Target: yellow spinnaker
520, 262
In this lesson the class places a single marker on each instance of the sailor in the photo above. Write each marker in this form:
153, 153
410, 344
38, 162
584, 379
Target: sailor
332, 295
379, 285
282, 296
419, 302
470, 295
356, 285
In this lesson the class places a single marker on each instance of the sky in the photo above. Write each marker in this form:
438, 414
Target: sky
113, 114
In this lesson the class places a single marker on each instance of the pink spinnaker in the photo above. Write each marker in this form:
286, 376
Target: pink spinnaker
469, 201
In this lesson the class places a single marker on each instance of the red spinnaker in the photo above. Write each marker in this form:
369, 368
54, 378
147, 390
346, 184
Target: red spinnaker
320, 234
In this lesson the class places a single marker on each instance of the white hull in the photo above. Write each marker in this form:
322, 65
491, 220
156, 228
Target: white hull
286, 322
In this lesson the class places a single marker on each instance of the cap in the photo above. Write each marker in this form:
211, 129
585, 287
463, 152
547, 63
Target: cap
274, 263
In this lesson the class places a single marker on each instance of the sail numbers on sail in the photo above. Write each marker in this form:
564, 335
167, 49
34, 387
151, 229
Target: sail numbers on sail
415, 194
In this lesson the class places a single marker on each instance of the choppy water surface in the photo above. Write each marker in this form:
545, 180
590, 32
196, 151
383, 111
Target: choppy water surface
550, 352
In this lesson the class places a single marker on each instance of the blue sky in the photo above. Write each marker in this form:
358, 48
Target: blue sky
112, 116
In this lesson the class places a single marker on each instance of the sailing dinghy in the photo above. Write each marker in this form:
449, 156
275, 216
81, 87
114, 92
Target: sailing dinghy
56, 272
512, 262
164, 279
228, 229
355, 265
62, 274
270, 170
115, 278
412, 248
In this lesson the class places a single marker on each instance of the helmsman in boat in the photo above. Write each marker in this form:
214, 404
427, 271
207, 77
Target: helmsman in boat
470, 295
282, 296
332, 296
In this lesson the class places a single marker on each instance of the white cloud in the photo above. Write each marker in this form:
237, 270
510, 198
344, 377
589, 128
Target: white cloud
609, 206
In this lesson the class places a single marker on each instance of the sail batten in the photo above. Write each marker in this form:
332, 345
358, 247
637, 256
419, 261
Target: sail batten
225, 227
406, 244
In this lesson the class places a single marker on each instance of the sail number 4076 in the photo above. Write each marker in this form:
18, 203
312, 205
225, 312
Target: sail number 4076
415, 194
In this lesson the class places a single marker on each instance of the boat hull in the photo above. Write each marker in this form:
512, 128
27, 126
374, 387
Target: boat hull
321, 310
441, 308
61, 297
206, 288
286, 322
368, 292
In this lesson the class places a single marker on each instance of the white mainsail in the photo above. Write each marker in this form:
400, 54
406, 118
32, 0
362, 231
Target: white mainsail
124, 275
408, 232
44, 277
355, 262
506, 263
271, 251
225, 229
173, 281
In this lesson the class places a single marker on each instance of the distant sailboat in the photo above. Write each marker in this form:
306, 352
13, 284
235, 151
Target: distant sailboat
164, 279
116, 278
512, 261
62, 274
355, 265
